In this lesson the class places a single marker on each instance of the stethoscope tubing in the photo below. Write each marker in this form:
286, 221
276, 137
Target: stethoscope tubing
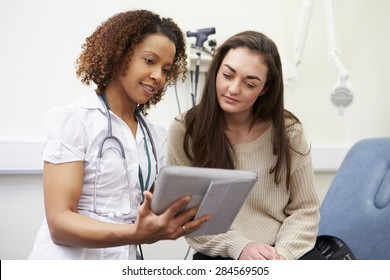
123, 155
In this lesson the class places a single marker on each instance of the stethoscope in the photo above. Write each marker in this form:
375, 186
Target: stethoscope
121, 151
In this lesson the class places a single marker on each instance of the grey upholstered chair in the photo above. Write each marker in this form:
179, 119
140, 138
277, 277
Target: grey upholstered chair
356, 208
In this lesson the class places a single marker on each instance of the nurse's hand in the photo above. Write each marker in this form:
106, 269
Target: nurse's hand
150, 227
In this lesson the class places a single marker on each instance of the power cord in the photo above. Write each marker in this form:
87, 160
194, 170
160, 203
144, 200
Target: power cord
188, 251
140, 252
177, 99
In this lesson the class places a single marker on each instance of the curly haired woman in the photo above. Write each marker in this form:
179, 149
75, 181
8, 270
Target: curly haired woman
101, 156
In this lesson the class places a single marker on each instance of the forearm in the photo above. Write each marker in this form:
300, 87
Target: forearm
225, 245
73, 229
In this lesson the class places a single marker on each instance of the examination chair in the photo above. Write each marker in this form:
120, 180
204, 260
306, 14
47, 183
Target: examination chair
356, 208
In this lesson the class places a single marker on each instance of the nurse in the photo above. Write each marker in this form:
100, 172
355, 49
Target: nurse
101, 156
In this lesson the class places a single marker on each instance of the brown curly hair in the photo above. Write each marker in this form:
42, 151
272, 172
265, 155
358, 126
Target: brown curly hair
114, 41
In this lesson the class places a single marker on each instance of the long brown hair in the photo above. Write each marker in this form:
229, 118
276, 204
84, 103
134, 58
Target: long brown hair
205, 142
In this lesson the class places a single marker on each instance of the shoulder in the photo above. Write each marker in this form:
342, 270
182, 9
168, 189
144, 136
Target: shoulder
292, 124
84, 103
178, 124
62, 115
66, 128
295, 133
74, 117
158, 131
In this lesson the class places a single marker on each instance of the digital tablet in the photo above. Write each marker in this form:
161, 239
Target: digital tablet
220, 192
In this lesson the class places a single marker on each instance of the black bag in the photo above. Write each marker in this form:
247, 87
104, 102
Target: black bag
333, 248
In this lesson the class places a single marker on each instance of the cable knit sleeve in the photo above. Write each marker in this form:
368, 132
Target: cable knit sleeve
298, 232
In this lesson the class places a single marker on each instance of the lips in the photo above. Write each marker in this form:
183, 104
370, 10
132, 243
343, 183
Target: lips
150, 89
229, 99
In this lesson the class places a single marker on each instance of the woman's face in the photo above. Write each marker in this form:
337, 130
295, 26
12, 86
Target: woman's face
240, 81
148, 68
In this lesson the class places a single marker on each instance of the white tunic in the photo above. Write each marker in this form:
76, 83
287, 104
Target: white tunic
75, 133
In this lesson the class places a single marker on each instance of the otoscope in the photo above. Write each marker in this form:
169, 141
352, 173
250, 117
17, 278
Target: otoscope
201, 36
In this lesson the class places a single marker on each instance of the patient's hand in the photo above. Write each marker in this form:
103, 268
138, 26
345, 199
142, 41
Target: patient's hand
259, 251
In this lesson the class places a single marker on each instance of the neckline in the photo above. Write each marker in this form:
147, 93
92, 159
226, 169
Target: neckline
263, 138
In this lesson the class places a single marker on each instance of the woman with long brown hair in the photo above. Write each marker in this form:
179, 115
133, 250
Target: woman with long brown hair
241, 123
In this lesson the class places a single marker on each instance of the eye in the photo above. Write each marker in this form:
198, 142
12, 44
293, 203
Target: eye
250, 86
166, 70
227, 75
149, 61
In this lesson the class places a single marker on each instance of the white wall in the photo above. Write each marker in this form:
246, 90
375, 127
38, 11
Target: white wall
41, 39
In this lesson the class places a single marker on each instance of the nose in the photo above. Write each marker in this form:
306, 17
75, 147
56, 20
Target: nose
157, 75
234, 87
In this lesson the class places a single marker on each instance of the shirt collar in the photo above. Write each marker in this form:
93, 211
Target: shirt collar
91, 101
